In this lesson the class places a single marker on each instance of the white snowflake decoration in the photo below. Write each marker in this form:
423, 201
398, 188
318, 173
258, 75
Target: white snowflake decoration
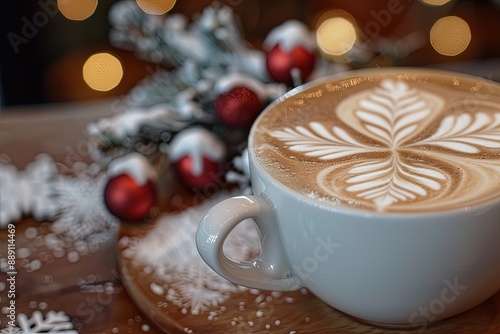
170, 249
53, 322
82, 212
27, 192
75, 204
11, 330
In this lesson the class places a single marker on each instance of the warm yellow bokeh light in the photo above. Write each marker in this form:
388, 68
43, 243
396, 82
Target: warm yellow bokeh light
77, 10
336, 35
450, 36
435, 2
102, 72
156, 7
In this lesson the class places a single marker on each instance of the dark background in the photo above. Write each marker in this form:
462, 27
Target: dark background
48, 67
26, 73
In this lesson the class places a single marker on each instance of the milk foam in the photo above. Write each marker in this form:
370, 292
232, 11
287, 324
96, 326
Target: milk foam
387, 142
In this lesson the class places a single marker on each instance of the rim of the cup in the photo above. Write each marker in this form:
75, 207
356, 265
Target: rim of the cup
353, 210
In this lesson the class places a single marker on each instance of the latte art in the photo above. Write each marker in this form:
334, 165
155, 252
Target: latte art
395, 146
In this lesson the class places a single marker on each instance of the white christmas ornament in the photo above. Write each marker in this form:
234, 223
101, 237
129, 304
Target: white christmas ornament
28, 192
134, 165
197, 142
289, 35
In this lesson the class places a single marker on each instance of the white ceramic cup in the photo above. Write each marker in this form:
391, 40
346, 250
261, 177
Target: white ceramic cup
390, 269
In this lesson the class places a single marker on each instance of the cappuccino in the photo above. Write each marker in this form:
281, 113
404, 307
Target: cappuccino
398, 140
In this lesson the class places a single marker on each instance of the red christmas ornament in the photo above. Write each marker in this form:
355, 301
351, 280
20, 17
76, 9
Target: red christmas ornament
127, 200
238, 108
280, 63
211, 172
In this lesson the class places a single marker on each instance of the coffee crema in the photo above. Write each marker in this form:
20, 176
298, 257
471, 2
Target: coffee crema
391, 140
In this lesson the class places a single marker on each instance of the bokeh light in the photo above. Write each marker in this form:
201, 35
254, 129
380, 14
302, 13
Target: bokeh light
435, 2
336, 33
156, 7
102, 71
77, 10
450, 35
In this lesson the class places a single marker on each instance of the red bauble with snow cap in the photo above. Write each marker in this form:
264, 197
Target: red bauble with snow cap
130, 193
238, 108
198, 156
240, 99
290, 53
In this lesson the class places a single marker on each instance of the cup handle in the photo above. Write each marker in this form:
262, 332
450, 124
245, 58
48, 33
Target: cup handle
270, 271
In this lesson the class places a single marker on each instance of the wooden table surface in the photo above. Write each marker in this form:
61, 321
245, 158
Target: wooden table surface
89, 288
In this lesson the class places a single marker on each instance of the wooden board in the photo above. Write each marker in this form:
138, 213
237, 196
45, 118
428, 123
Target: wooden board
251, 311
